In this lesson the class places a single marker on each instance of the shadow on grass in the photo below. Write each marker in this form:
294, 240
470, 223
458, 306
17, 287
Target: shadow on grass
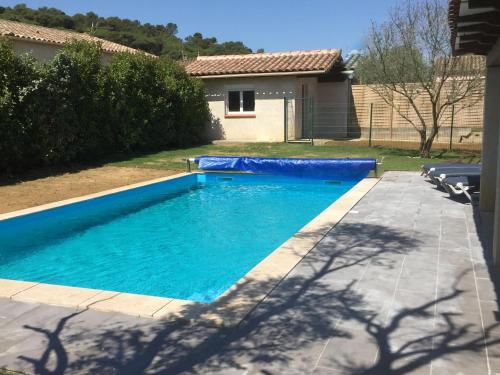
320, 304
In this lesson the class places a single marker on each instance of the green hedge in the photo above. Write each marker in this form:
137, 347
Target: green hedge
75, 109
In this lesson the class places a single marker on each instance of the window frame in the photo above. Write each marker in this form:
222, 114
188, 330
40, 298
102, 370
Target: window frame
241, 113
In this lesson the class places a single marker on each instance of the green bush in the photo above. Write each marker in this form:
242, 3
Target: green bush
68, 110
19, 80
75, 109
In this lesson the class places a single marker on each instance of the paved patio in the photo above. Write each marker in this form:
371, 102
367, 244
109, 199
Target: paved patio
400, 286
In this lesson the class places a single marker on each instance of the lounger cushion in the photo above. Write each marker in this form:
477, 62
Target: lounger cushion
426, 168
466, 168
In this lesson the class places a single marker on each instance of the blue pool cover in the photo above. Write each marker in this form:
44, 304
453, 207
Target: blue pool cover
298, 167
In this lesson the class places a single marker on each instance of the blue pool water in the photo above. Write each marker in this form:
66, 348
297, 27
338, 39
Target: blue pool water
188, 238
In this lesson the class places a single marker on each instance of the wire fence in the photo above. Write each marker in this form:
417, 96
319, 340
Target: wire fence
300, 119
371, 122
378, 124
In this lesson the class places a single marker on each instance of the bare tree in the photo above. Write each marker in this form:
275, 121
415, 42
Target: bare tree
408, 59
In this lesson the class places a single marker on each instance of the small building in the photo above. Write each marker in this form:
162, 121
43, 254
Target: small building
43, 43
270, 97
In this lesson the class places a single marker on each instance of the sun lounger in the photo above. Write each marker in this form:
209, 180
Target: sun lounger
428, 168
470, 173
461, 185
435, 173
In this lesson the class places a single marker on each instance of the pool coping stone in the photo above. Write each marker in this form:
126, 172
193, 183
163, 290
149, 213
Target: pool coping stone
227, 310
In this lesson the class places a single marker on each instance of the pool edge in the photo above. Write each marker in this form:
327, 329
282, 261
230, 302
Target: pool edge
229, 309
234, 305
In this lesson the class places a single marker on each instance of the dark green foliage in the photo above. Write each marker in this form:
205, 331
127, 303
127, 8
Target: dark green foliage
155, 39
70, 97
197, 44
19, 81
73, 109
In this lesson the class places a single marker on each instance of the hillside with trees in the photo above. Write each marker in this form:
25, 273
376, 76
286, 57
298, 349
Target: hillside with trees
160, 40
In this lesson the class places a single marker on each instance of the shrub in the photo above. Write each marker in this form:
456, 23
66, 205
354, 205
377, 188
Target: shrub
193, 113
154, 103
69, 106
75, 109
19, 80
142, 103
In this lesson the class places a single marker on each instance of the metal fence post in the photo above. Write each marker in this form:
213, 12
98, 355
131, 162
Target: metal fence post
391, 120
371, 124
311, 110
451, 126
285, 119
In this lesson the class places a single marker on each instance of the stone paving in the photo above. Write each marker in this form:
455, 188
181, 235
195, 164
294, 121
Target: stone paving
400, 286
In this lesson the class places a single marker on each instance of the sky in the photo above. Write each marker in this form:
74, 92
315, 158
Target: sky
270, 24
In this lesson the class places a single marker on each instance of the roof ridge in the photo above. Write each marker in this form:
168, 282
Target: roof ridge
39, 33
48, 29
312, 61
329, 51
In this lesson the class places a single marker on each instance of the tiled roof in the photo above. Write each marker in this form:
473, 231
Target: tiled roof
262, 63
55, 36
465, 65
352, 61
471, 63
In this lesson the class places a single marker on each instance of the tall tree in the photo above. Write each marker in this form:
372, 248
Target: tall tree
408, 59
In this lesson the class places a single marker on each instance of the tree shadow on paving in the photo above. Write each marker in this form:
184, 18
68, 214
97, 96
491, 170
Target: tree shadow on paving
54, 348
401, 352
287, 332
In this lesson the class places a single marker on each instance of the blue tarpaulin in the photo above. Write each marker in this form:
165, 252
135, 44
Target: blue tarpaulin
345, 168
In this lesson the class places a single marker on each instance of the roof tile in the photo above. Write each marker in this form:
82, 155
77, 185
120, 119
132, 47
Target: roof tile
280, 62
56, 36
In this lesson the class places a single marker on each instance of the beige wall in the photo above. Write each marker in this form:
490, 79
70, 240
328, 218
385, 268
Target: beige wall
490, 170
44, 52
267, 125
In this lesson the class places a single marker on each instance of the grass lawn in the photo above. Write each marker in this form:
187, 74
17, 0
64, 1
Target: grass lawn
393, 159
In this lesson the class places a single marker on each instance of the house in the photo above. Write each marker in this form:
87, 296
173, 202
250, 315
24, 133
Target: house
475, 29
270, 97
44, 42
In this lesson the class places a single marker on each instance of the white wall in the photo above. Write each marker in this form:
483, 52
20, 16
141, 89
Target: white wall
44, 52
268, 123
330, 108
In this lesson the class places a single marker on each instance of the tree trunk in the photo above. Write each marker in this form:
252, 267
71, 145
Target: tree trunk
423, 138
426, 150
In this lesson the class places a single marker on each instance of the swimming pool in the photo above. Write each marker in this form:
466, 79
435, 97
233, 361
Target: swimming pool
187, 238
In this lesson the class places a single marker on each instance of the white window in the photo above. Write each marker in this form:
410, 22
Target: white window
240, 101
